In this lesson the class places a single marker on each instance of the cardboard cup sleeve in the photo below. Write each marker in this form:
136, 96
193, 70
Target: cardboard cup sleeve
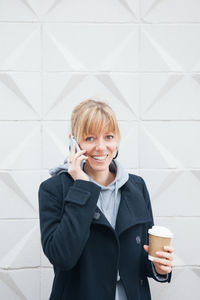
157, 243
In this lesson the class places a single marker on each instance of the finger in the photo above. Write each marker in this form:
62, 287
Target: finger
169, 249
164, 254
77, 154
70, 159
73, 149
82, 157
146, 248
162, 261
74, 155
78, 159
165, 269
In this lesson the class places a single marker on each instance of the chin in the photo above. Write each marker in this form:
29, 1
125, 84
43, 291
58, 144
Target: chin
96, 167
99, 168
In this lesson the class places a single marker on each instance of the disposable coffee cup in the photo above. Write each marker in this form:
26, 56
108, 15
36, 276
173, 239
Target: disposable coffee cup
159, 237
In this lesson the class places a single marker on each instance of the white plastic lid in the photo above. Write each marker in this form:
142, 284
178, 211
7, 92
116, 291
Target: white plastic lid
160, 231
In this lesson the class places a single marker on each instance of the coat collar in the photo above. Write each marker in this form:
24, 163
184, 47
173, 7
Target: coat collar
132, 209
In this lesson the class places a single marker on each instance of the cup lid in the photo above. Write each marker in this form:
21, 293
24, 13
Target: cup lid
160, 231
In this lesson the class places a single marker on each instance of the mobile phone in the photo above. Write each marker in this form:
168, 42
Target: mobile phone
74, 142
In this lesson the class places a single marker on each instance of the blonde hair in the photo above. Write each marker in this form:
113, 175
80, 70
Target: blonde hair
91, 116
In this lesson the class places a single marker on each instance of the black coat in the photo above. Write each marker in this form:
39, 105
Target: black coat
85, 250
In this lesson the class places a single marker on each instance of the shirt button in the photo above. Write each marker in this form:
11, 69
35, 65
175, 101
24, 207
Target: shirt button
138, 239
96, 215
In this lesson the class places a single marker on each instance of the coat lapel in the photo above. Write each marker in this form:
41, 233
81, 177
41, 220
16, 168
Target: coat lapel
133, 209
98, 217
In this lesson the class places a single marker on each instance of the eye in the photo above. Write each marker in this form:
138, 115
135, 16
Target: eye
109, 137
89, 138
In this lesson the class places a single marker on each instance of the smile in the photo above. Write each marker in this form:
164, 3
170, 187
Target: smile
99, 157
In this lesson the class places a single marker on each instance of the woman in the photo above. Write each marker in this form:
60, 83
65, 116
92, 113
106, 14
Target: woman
94, 219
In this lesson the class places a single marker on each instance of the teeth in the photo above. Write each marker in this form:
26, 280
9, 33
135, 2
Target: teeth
99, 157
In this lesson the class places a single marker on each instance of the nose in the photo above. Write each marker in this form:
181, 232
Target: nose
100, 145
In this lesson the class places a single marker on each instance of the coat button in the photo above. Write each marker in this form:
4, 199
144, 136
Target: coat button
96, 215
138, 239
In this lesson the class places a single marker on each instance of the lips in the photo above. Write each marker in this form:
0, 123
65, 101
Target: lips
99, 158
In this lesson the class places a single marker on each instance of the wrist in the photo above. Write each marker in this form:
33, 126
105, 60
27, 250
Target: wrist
81, 177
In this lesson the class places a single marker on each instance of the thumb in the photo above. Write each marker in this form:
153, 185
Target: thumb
146, 248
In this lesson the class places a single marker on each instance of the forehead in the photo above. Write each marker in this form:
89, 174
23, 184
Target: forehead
102, 133
99, 131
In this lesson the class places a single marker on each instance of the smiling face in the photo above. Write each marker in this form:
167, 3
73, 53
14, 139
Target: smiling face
100, 149
95, 127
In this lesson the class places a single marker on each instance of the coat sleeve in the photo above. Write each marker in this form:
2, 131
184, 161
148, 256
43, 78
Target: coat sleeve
148, 266
64, 236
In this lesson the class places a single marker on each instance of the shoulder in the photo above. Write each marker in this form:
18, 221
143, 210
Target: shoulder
137, 183
135, 179
54, 184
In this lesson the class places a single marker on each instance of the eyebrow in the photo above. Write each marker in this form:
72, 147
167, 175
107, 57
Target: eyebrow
93, 134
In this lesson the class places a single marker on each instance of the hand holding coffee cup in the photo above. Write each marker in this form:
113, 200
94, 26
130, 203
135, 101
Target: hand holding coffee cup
159, 237
159, 249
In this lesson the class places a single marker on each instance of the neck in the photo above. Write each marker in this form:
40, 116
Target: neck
102, 177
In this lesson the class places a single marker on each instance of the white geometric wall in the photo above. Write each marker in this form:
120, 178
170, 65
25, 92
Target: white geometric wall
143, 56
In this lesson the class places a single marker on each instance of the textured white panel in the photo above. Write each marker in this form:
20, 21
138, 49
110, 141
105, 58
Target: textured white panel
170, 10
90, 47
19, 10
20, 96
21, 49
170, 47
174, 193
20, 284
186, 241
128, 150
170, 96
21, 247
20, 145
184, 286
55, 143
46, 282
44, 175
63, 91
56, 53
170, 145
20, 192
92, 10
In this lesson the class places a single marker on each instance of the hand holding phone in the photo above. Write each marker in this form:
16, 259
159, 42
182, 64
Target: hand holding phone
74, 142
75, 167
